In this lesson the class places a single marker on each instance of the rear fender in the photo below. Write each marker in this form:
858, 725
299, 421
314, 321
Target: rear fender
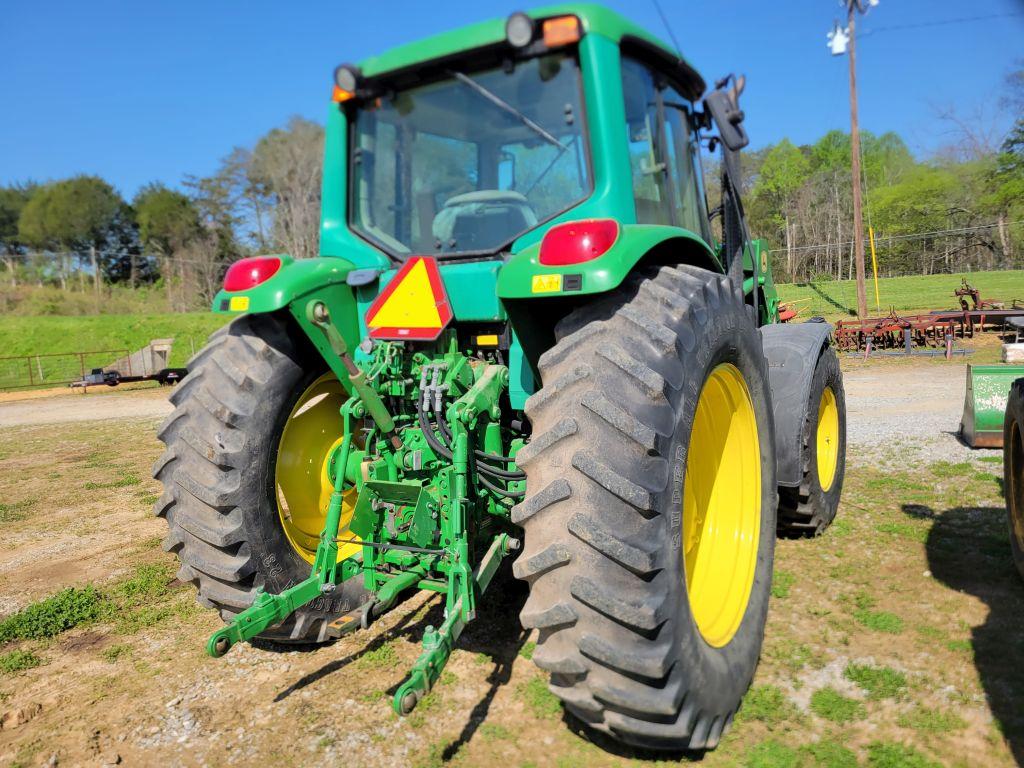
537, 296
524, 277
792, 352
291, 288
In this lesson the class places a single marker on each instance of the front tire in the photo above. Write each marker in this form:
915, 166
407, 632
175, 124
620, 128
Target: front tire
810, 508
633, 443
221, 492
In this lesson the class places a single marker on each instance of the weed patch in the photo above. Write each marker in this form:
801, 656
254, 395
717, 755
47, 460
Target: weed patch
18, 661
67, 609
378, 658
878, 682
527, 650
831, 705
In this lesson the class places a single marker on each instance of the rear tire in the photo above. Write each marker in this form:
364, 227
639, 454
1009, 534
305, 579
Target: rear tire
1013, 471
219, 497
810, 508
604, 515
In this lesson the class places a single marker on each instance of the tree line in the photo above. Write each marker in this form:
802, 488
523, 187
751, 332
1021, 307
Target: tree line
79, 233
961, 210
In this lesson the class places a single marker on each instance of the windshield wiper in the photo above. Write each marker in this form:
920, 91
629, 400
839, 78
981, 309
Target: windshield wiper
502, 104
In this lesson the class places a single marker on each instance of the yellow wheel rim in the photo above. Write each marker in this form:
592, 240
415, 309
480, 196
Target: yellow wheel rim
722, 505
828, 438
302, 486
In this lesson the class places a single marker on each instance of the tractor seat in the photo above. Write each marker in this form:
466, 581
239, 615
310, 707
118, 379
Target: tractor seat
482, 220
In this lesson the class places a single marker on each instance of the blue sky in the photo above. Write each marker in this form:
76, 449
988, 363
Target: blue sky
146, 91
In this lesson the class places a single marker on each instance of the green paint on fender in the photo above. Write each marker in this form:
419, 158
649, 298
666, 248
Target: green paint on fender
606, 272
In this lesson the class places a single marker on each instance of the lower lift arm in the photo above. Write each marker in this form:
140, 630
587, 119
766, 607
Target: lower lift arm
464, 584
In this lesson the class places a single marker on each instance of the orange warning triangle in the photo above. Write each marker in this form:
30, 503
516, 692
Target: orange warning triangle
414, 305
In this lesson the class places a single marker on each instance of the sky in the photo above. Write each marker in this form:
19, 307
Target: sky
151, 91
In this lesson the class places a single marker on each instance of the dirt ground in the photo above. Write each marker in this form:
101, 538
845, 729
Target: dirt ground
893, 640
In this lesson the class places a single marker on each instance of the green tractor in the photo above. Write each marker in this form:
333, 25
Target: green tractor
523, 338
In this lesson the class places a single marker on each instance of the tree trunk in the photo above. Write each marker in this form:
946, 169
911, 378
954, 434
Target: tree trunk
1004, 240
9, 263
95, 268
789, 249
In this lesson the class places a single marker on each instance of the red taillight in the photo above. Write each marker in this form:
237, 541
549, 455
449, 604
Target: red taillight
577, 241
248, 273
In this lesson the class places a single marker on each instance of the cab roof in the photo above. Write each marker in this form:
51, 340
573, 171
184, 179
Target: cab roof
594, 19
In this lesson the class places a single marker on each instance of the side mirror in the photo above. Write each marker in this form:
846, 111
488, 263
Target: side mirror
724, 106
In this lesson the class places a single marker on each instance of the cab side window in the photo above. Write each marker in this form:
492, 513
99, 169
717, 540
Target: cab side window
683, 146
662, 152
644, 135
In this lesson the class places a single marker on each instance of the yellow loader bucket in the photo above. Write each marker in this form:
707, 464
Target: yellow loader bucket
988, 386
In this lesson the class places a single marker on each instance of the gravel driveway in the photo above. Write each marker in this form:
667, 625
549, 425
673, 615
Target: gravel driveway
913, 406
131, 404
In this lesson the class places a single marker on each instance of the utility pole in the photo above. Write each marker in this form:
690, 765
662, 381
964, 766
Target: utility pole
842, 41
858, 215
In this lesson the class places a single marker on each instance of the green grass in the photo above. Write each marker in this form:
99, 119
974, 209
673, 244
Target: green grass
879, 621
766, 704
538, 699
782, 581
772, 754
907, 294
115, 652
18, 661
829, 754
126, 480
527, 650
904, 530
928, 720
51, 334
888, 755
878, 682
18, 510
833, 706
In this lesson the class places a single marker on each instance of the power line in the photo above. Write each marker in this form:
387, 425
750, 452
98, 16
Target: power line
941, 22
837, 244
902, 238
79, 257
668, 27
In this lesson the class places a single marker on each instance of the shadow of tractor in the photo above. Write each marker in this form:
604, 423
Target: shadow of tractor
969, 550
